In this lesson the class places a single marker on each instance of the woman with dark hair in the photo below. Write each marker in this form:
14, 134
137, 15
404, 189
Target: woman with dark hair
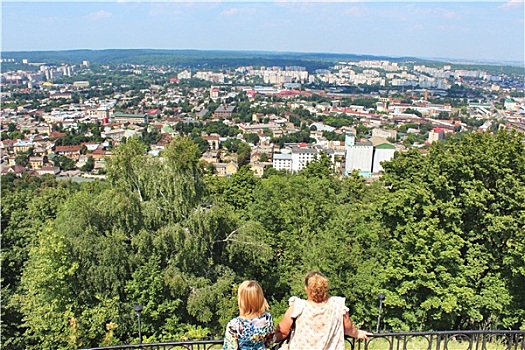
321, 321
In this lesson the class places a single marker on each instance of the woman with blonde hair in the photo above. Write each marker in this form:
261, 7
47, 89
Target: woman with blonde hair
253, 328
321, 321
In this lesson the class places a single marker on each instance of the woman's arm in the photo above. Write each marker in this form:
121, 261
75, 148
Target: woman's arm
283, 328
230, 337
270, 337
352, 330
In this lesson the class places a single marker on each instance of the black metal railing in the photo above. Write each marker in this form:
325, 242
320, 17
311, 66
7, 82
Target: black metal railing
188, 345
448, 340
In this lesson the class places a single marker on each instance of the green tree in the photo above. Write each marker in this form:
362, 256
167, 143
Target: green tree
321, 167
244, 152
413, 111
232, 145
453, 218
22, 159
252, 138
89, 165
239, 190
26, 209
65, 163
263, 157
201, 143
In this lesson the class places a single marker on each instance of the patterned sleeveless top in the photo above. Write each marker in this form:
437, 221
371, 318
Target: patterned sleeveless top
318, 326
249, 334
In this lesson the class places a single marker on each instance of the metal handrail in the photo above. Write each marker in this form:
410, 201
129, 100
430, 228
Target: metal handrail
438, 340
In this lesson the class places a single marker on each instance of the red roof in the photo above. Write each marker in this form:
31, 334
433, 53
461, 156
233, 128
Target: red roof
17, 169
289, 93
211, 137
68, 148
48, 168
9, 142
56, 135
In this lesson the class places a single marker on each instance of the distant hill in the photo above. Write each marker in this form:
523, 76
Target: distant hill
196, 58
214, 59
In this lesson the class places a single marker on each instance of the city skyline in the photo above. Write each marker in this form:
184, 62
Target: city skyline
477, 31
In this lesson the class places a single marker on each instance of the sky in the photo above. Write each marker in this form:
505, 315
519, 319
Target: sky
473, 30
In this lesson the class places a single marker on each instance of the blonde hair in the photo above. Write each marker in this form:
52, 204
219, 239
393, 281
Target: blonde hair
316, 286
250, 299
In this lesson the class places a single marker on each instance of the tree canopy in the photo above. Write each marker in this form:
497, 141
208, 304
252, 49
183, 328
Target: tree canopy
441, 235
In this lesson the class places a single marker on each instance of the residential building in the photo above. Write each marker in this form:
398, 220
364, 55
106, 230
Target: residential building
72, 152
214, 92
120, 117
359, 155
22, 146
382, 152
282, 161
48, 170
435, 134
259, 167
210, 156
224, 112
387, 134
301, 157
81, 84
226, 169
36, 162
213, 141
18, 170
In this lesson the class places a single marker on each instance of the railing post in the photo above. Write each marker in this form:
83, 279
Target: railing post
381, 297
438, 341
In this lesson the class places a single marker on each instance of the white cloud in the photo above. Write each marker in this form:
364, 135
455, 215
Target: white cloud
447, 27
356, 11
51, 20
414, 28
95, 16
512, 4
451, 15
230, 12
163, 9
437, 11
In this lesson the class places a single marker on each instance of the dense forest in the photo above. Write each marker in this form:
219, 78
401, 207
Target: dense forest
441, 235
217, 59
191, 58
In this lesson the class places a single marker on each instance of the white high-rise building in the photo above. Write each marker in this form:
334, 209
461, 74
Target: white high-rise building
301, 157
298, 158
359, 155
282, 161
382, 152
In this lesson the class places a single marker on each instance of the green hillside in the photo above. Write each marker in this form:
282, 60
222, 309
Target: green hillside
441, 235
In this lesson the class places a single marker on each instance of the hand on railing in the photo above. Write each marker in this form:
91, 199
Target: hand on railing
363, 335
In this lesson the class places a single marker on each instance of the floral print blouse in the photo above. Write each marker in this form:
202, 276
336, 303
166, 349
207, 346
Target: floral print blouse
249, 334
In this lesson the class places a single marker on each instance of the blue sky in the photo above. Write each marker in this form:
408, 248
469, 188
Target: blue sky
478, 30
